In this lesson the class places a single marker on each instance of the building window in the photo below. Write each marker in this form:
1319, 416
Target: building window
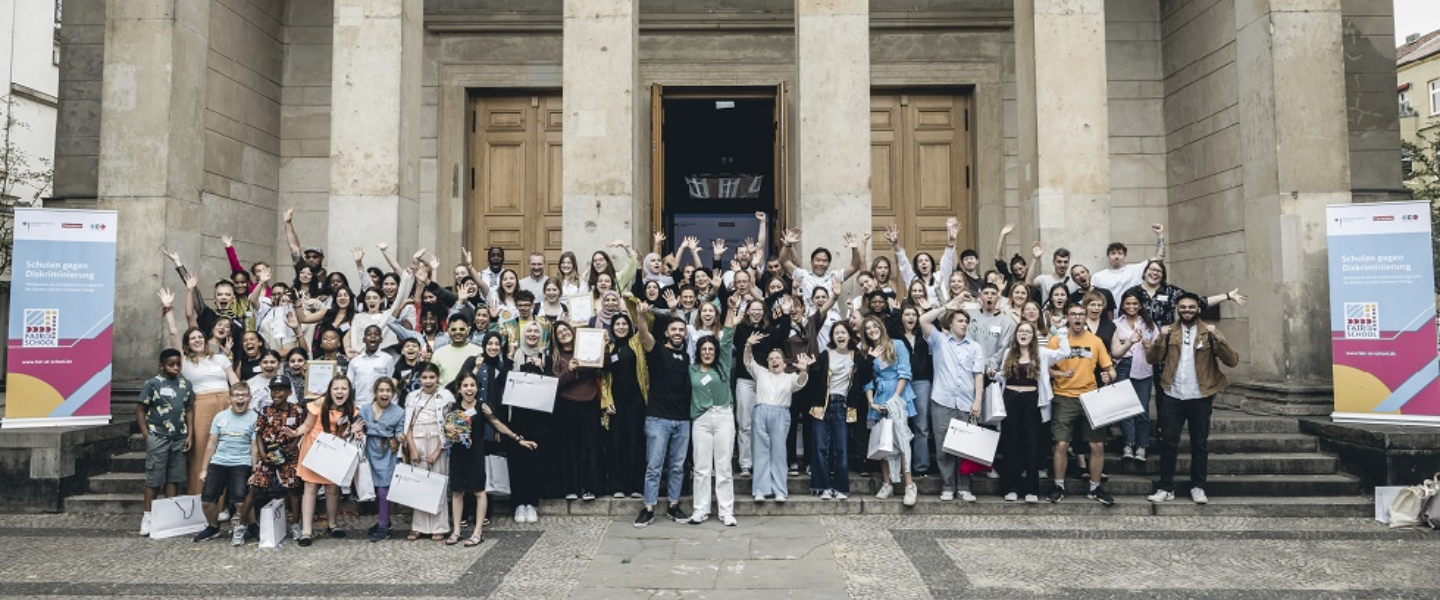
1405, 110
1435, 97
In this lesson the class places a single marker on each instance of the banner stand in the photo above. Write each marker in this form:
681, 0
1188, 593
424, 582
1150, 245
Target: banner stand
1386, 368
62, 313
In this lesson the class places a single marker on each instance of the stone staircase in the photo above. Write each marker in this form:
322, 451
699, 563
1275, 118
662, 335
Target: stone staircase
1259, 466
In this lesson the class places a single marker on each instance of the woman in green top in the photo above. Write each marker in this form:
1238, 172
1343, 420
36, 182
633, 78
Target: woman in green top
712, 409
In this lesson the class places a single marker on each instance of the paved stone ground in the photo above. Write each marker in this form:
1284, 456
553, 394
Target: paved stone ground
870, 556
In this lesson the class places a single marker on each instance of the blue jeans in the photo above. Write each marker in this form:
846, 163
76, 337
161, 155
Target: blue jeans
920, 426
1135, 430
772, 425
666, 442
830, 449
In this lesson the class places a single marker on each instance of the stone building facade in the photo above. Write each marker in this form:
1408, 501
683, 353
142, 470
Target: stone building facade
444, 123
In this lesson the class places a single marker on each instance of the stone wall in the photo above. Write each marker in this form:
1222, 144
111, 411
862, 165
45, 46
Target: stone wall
1138, 176
1370, 100
242, 133
77, 131
304, 175
1207, 216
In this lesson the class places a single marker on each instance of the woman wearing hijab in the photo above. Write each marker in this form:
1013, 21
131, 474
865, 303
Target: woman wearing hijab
525, 464
651, 269
624, 393
610, 305
577, 419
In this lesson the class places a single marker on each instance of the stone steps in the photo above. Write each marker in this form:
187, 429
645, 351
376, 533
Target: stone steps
1220, 506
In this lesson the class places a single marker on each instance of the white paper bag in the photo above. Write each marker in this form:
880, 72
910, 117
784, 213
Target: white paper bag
992, 411
272, 523
364, 483
1384, 495
971, 441
418, 488
497, 475
332, 458
1111, 404
174, 517
528, 390
882, 439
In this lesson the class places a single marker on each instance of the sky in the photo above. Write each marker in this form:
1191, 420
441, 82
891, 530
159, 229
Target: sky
1415, 16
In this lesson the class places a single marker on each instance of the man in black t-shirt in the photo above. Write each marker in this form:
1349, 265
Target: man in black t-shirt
667, 426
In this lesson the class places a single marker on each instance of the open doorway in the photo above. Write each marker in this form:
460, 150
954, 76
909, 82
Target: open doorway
718, 158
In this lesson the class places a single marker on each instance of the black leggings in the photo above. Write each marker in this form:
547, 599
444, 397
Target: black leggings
1019, 441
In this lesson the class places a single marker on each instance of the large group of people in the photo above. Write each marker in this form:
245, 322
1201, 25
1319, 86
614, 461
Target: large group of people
746, 359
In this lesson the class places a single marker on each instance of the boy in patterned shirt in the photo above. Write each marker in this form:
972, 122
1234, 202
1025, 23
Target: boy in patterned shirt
166, 414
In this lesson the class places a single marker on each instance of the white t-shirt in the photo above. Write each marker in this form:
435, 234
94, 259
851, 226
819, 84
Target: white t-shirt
363, 321
1119, 280
208, 375
260, 392
365, 370
806, 281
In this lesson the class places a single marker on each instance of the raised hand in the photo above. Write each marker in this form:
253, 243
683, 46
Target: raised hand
1007, 229
659, 237
786, 304
173, 256
1157, 228
865, 238
227, 240
670, 299
643, 307
790, 237
466, 256
616, 244
851, 241
358, 253
892, 234
803, 361
692, 241
923, 303
418, 256
1239, 298
289, 214
952, 228
754, 338
835, 286
718, 247
760, 215
1037, 250
167, 299
382, 246
292, 321
191, 281
434, 263
262, 273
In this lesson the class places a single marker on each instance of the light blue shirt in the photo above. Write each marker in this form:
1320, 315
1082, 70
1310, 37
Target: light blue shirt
957, 364
234, 432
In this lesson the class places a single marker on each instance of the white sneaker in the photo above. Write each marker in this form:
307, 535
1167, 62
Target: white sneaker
780, 499
1129, 452
1161, 496
145, 524
912, 493
520, 514
1140, 454
619, 495
224, 516
572, 496
531, 515
759, 498
827, 495
698, 518
728, 520
1198, 495
947, 496
967, 496
841, 495
885, 491
1011, 497
1032, 499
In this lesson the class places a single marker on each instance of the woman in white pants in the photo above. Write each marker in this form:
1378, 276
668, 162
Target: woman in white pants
713, 431
773, 388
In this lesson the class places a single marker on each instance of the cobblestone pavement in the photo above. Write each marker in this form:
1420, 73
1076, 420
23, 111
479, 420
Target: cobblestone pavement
866, 557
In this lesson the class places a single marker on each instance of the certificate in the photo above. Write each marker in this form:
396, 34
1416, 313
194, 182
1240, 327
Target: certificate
590, 347
581, 307
318, 374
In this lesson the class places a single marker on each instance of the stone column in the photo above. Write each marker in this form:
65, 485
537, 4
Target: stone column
832, 55
600, 79
1295, 157
375, 125
151, 160
1064, 125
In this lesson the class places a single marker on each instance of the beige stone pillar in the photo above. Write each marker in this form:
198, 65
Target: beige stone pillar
832, 55
151, 163
1295, 157
1064, 125
600, 79
375, 125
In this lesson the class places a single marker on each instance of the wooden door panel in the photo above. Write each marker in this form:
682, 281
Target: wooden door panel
503, 168
935, 188
919, 158
515, 192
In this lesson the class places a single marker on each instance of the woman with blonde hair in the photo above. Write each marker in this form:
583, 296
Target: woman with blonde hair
891, 401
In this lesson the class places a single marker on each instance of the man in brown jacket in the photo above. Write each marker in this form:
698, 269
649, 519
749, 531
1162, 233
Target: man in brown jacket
1192, 353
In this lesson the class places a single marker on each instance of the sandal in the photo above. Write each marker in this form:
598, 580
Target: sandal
437, 537
474, 541
414, 535
453, 539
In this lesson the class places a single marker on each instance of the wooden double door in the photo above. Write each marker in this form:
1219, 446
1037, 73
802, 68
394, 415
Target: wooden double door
921, 166
515, 185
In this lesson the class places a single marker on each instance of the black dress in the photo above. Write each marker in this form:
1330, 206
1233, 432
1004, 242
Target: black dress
467, 464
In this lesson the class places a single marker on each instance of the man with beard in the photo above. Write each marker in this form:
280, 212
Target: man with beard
1192, 354
667, 423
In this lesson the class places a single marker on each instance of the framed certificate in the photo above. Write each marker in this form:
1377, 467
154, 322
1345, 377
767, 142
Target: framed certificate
581, 307
318, 374
590, 347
